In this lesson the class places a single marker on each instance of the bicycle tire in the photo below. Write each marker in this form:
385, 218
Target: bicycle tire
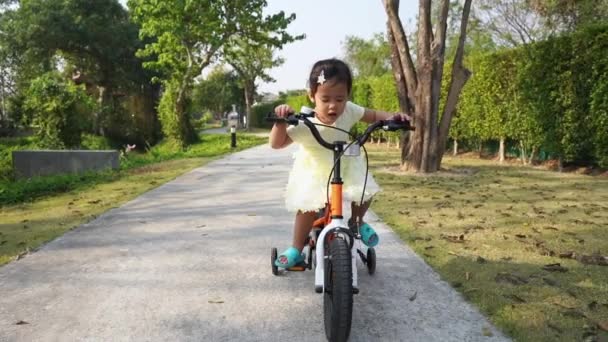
338, 294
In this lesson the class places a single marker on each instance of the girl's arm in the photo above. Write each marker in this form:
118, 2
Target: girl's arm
278, 136
372, 115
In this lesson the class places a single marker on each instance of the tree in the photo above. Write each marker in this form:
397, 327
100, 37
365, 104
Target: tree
218, 92
570, 15
511, 23
95, 40
367, 57
251, 61
419, 87
188, 36
60, 110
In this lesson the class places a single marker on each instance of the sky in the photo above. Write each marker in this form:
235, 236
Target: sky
326, 24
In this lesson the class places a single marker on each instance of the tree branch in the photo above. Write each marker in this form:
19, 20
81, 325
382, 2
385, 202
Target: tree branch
460, 75
392, 8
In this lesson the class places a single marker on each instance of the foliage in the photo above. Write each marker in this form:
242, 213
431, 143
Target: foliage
252, 60
260, 111
60, 110
172, 117
7, 146
92, 42
297, 101
187, 36
217, 92
96, 142
548, 96
570, 16
367, 57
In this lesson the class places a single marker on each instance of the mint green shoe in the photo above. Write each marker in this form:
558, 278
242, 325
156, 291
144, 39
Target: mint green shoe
368, 235
289, 258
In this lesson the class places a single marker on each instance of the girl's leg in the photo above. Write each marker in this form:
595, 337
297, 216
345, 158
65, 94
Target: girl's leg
302, 228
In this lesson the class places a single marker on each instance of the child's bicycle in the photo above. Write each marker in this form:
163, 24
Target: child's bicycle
332, 241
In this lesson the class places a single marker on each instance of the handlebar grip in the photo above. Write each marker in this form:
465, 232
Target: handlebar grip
392, 125
290, 119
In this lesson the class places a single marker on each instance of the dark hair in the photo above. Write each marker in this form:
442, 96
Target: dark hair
334, 70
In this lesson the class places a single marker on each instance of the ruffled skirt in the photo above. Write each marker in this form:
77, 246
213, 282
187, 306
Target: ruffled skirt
307, 185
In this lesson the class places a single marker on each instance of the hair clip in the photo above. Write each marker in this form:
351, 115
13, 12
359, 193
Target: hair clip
321, 79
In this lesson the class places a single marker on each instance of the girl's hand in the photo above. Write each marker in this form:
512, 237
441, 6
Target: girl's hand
401, 117
283, 111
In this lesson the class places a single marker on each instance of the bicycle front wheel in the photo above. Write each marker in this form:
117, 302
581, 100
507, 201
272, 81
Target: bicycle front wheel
338, 294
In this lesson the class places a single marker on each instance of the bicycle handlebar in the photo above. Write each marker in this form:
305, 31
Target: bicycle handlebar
294, 119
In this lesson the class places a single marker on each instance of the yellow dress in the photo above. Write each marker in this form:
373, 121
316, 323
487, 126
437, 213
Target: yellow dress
307, 185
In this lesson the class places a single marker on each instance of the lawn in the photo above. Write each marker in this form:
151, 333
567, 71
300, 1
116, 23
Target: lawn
37, 211
527, 246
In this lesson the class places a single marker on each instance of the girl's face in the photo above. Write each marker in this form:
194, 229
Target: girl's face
330, 100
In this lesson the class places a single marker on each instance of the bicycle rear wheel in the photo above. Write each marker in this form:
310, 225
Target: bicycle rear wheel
338, 294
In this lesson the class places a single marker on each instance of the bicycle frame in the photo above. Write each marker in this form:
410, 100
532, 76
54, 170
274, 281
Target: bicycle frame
336, 224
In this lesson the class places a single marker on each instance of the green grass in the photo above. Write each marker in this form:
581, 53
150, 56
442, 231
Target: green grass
17, 191
490, 230
69, 201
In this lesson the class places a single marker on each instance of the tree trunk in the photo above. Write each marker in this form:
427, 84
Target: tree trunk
187, 133
102, 102
455, 151
249, 92
424, 149
460, 76
532, 155
501, 151
522, 151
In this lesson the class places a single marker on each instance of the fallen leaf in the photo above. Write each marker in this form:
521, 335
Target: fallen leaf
574, 313
504, 277
555, 268
413, 297
594, 259
554, 327
22, 323
550, 282
569, 255
514, 298
215, 301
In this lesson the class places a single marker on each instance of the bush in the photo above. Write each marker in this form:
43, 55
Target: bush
259, 112
95, 142
60, 110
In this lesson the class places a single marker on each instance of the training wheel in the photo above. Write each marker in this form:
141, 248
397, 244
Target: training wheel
273, 258
371, 260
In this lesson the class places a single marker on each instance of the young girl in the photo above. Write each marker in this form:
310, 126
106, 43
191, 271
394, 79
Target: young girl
330, 83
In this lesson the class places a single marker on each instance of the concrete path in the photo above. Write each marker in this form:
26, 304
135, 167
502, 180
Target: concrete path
190, 261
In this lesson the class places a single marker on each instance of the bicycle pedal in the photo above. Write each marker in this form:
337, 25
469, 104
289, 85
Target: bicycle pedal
301, 267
